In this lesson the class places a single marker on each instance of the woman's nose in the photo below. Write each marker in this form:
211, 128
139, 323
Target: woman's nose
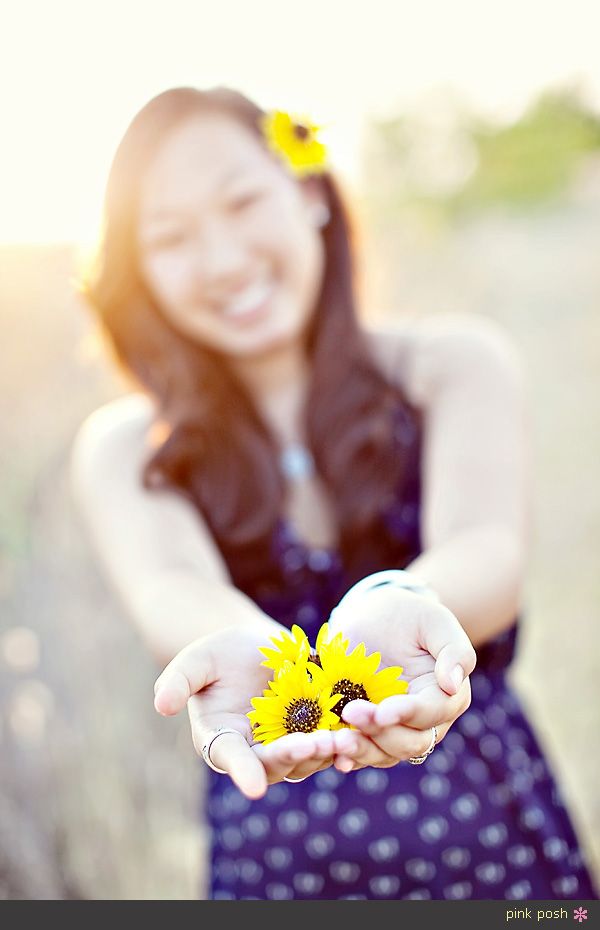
221, 260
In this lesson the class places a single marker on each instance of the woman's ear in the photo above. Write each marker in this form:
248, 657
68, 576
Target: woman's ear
320, 214
318, 210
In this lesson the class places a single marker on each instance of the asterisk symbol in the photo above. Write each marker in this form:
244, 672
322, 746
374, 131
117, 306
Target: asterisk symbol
580, 914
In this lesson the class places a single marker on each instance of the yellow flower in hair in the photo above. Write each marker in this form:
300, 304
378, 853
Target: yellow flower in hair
299, 700
355, 676
295, 141
289, 647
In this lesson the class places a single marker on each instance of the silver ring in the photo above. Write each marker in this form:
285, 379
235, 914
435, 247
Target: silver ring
418, 760
205, 751
294, 781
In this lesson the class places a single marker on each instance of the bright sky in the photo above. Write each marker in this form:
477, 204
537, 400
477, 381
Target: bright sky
74, 72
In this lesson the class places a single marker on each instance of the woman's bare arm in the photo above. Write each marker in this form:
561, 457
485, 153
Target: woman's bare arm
155, 548
476, 511
173, 583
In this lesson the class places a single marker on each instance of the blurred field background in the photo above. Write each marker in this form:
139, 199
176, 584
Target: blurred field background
456, 212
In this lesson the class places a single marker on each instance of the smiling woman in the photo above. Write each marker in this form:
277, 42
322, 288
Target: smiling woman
221, 246
225, 286
215, 251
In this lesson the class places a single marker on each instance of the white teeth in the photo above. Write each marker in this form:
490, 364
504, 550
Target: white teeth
251, 298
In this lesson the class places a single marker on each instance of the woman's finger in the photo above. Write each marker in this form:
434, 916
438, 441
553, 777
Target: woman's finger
297, 752
189, 672
361, 714
351, 744
402, 743
444, 638
235, 755
454, 663
389, 745
321, 757
299, 774
427, 708
228, 751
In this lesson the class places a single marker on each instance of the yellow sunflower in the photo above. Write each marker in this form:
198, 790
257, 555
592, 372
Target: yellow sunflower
290, 647
355, 676
296, 142
299, 701
323, 640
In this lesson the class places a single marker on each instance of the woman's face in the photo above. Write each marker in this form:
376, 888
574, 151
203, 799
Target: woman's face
228, 243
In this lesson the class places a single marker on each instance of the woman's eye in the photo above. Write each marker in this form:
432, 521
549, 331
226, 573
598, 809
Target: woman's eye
167, 241
241, 201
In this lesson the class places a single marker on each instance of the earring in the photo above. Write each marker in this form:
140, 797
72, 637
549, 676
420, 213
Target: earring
320, 214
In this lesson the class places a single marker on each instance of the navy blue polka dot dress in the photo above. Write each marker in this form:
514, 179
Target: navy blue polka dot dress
482, 818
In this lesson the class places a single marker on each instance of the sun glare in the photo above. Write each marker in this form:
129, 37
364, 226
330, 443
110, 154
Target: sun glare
70, 85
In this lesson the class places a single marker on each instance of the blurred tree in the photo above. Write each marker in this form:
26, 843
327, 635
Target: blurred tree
534, 158
463, 163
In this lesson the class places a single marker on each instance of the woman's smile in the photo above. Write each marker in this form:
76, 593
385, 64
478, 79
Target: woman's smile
250, 304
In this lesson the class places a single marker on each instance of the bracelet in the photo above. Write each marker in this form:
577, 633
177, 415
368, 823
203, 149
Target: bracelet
395, 577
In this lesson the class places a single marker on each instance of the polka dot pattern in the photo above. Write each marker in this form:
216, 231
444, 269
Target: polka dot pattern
384, 849
353, 823
456, 857
520, 891
371, 781
278, 858
482, 818
344, 873
402, 806
479, 820
459, 891
384, 886
319, 845
322, 803
292, 823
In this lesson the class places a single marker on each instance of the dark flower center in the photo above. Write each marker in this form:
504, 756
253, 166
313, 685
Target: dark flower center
301, 132
350, 691
302, 716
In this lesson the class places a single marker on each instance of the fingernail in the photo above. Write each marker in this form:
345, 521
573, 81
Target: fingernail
457, 676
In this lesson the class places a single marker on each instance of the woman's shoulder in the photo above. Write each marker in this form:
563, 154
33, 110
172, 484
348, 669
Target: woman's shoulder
119, 430
419, 352
130, 414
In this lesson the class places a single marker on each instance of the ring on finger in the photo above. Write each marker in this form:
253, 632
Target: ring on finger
294, 781
418, 760
210, 738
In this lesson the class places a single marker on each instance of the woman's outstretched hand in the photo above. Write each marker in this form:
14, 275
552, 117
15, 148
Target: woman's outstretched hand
426, 639
216, 677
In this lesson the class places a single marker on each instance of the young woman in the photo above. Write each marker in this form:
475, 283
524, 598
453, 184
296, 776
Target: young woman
276, 454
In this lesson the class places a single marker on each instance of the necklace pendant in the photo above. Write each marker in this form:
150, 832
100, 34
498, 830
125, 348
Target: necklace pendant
297, 462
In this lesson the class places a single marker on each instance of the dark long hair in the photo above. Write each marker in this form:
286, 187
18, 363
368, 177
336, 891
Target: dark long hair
216, 449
